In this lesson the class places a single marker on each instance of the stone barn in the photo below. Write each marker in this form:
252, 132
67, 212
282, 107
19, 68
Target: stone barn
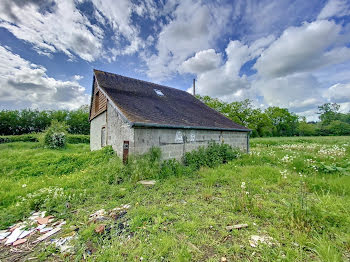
133, 115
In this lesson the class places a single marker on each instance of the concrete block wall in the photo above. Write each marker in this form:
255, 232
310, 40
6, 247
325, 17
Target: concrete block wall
95, 131
118, 131
174, 143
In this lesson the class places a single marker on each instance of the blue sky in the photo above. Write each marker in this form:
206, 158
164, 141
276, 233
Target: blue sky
293, 54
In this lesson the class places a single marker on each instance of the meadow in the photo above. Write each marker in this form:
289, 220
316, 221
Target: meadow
293, 192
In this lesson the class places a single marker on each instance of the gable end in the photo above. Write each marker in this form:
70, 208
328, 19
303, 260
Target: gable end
98, 102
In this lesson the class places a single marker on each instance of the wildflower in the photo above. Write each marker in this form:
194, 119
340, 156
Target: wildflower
246, 192
243, 185
24, 185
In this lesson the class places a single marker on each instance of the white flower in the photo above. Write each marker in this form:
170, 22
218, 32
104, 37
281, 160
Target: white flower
243, 185
24, 185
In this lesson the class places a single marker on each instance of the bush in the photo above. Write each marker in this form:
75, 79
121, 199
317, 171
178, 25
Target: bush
71, 139
55, 135
143, 166
149, 166
19, 138
210, 156
77, 139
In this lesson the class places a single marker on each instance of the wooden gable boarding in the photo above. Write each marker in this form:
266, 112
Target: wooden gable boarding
99, 102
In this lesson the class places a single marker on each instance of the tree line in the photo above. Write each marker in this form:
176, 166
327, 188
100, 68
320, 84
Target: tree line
18, 122
273, 121
276, 121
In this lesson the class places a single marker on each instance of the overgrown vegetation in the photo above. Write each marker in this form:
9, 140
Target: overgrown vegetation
283, 190
18, 122
275, 121
71, 139
149, 166
55, 135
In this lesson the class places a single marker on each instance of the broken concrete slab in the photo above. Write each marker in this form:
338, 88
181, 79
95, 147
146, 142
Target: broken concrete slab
46, 229
48, 234
42, 220
19, 242
4, 234
238, 226
14, 236
256, 240
26, 233
147, 182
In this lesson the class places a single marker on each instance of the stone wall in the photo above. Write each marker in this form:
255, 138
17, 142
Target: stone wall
118, 131
95, 131
175, 142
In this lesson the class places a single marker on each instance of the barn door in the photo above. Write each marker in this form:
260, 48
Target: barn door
125, 151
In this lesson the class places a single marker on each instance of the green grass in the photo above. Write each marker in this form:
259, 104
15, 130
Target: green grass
298, 194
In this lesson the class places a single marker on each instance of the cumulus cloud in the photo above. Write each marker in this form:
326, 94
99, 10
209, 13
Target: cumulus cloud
52, 27
335, 8
203, 61
338, 93
305, 48
23, 84
224, 80
298, 92
60, 26
192, 27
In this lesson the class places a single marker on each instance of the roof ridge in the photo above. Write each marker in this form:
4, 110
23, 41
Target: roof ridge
144, 81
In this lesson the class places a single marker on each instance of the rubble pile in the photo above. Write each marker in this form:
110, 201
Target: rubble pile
21, 238
35, 229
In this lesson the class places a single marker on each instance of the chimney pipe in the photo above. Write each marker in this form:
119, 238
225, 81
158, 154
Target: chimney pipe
194, 87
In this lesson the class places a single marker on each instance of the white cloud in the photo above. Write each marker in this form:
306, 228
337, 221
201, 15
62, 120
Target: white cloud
298, 92
23, 84
203, 61
61, 28
305, 48
225, 81
338, 93
193, 26
335, 8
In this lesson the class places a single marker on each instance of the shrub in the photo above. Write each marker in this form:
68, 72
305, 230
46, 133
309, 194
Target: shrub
55, 135
210, 156
71, 139
77, 139
19, 138
143, 166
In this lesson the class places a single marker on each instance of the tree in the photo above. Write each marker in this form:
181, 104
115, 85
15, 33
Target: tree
338, 128
306, 129
284, 122
328, 112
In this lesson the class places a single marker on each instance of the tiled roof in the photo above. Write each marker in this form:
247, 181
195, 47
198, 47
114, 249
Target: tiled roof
151, 105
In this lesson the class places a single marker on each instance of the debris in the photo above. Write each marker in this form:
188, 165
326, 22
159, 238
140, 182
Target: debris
238, 226
223, 259
46, 229
99, 215
14, 235
4, 234
40, 227
147, 182
42, 220
254, 240
19, 242
26, 233
48, 234
100, 229
63, 244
